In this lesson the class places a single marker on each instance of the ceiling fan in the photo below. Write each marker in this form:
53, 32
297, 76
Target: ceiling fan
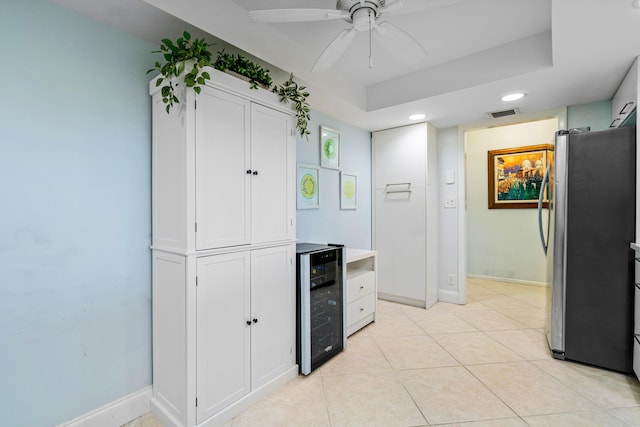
364, 15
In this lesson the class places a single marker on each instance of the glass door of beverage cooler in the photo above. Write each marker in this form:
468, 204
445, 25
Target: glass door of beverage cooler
321, 328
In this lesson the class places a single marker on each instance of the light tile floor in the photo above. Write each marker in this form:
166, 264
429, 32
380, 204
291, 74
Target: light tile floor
482, 364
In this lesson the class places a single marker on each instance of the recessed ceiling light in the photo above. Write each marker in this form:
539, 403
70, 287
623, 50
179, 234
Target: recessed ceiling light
417, 116
635, 4
513, 96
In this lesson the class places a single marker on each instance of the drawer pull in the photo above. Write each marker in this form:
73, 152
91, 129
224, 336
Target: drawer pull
637, 285
362, 309
361, 287
614, 123
636, 336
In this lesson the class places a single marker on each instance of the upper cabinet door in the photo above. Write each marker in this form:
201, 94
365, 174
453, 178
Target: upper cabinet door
271, 189
400, 157
223, 173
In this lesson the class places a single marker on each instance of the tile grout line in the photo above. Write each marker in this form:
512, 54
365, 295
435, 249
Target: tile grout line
465, 366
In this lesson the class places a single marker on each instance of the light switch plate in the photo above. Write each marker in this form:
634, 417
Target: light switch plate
450, 177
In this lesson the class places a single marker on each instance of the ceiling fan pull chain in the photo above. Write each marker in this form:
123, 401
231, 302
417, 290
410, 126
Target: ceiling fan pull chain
370, 54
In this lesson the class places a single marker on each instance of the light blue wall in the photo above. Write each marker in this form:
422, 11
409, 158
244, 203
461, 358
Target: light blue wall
329, 224
75, 282
596, 115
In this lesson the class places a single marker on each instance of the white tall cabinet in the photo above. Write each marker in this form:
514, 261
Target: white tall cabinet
223, 167
405, 214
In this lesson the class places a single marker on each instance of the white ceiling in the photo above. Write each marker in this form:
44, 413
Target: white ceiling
561, 52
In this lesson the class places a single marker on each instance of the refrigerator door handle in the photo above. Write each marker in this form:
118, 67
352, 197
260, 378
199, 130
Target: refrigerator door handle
545, 183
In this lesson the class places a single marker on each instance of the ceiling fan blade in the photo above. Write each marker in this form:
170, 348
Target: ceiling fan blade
391, 6
334, 51
400, 43
296, 15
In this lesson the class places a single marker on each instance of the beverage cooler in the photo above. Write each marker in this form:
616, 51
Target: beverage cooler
320, 304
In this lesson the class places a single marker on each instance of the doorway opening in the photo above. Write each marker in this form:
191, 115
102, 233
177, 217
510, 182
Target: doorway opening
500, 246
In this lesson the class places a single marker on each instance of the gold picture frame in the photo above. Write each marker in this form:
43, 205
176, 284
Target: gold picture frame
516, 174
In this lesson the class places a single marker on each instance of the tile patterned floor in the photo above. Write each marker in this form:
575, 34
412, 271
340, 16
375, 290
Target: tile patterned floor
482, 364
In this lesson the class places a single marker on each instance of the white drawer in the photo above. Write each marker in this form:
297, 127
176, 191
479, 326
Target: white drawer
360, 284
360, 308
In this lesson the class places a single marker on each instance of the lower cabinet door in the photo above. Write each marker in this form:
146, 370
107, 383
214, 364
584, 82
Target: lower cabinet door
636, 309
636, 356
271, 313
222, 333
402, 251
636, 331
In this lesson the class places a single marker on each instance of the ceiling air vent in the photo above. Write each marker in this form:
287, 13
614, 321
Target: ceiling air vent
504, 113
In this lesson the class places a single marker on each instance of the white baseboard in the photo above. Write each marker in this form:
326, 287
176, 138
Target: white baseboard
507, 279
448, 296
401, 300
116, 413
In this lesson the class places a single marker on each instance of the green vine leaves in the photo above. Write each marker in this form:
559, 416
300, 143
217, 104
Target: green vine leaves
183, 54
188, 58
241, 65
290, 91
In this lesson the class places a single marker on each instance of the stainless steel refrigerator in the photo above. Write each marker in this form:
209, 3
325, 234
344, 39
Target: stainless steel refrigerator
585, 231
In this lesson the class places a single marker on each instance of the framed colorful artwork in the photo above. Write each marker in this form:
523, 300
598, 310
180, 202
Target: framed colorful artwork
516, 176
329, 148
348, 191
307, 180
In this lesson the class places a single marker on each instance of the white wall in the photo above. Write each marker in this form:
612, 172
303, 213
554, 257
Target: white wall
502, 243
448, 230
330, 224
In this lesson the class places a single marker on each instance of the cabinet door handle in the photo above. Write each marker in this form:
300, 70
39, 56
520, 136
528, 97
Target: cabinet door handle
361, 287
637, 285
625, 110
636, 337
361, 309
614, 123
255, 320
249, 171
248, 322
255, 172
391, 188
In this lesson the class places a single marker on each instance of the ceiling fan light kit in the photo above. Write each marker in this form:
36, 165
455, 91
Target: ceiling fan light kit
363, 15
